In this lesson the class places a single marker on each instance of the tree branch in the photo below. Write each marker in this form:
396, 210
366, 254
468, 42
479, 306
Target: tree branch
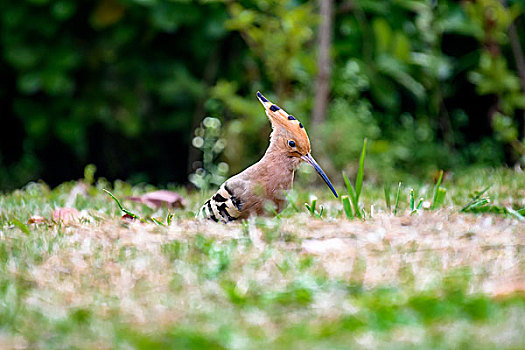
322, 87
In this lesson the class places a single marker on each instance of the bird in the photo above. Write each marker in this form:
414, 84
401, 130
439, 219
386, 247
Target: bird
263, 185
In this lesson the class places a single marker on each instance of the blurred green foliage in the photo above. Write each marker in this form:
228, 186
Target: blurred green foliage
123, 84
103, 79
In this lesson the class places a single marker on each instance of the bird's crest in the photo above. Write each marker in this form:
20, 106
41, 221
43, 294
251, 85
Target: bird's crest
282, 121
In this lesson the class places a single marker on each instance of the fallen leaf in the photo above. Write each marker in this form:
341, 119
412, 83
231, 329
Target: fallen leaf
36, 219
128, 217
406, 221
157, 199
66, 215
21, 226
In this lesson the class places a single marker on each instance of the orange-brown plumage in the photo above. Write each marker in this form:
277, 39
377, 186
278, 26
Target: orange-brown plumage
261, 186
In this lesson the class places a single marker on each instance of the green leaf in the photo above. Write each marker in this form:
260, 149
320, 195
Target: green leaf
158, 222
420, 203
360, 172
396, 206
440, 197
133, 215
347, 207
308, 207
312, 211
382, 34
476, 200
402, 47
515, 213
351, 193
476, 205
436, 190
23, 227
314, 204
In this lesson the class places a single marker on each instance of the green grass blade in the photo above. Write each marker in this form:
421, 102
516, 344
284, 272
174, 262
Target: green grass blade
412, 201
309, 208
351, 193
312, 209
169, 219
396, 206
387, 196
133, 215
23, 227
440, 197
476, 205
360, 172
157, 221
355, 206
515, 213
436, 190
347, 207
475, 199
420, 203
482, 192
115, 199
521, 211
348, 184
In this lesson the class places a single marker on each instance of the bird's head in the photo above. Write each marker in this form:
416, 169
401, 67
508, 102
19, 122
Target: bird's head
289, 137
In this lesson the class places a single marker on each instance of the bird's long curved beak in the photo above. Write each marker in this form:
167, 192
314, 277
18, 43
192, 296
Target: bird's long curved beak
310, 160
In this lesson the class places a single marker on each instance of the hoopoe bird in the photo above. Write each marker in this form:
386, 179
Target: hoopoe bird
264, 183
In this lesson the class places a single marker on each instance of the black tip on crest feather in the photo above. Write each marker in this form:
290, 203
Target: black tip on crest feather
261, 97
274, 108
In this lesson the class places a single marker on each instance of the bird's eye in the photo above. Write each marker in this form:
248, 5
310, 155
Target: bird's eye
291, 143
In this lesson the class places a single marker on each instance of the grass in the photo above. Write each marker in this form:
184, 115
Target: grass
444, 277
355, 191
439, 193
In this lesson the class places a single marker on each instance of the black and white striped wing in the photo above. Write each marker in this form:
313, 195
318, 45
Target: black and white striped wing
223, 206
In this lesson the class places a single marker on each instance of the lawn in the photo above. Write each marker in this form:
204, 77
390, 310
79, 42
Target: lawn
426, 277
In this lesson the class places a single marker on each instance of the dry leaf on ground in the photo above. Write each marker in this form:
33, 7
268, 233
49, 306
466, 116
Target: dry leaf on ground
157, 199
36, 219
66, 215
128, 217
